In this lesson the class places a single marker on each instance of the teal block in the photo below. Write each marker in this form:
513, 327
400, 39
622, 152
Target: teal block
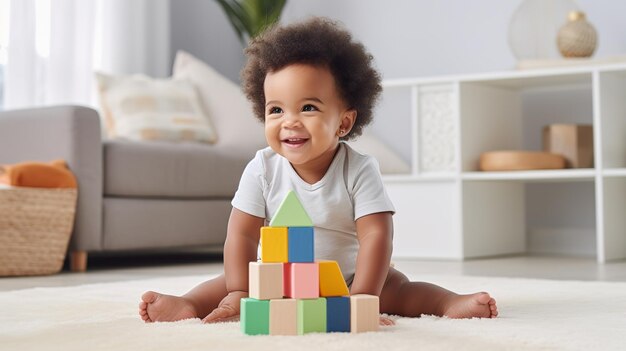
312, 316
255, 316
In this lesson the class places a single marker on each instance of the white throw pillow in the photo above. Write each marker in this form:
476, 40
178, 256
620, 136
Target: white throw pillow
139, 108
230, 111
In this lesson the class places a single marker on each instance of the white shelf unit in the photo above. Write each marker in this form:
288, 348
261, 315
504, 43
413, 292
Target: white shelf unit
448, 209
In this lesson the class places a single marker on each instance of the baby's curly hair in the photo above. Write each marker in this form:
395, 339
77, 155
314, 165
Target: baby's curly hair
320, 42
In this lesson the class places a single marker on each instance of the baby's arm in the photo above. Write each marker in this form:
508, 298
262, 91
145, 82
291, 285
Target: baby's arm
375, 233
242, 240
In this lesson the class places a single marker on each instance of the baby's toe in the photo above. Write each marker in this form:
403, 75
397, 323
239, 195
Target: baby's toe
149, 297
484, 298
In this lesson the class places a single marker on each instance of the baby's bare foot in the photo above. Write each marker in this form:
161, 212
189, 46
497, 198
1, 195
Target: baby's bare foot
156, 307
478, 305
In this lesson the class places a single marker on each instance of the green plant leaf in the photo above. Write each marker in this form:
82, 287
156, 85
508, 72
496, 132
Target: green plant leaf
251, 17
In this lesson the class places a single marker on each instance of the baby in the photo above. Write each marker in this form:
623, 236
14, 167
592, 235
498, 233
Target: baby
313, 86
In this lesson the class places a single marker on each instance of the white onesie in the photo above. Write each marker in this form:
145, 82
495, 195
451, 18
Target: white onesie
350, 189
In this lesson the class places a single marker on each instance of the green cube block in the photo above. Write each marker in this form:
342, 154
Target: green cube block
255, 316
312, 316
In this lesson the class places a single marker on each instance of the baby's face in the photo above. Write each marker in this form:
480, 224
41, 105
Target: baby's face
304, 114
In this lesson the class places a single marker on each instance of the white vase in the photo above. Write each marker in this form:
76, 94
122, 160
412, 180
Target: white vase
534, 26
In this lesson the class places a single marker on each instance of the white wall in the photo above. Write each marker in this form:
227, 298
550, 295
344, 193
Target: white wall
406, 37
201, 28
440, 37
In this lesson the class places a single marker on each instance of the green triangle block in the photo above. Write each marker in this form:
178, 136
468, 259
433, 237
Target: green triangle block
291, 213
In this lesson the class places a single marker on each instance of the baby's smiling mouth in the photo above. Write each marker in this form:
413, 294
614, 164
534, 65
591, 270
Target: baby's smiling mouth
294, 141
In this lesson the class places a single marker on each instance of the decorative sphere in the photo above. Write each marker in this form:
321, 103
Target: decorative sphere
577, 38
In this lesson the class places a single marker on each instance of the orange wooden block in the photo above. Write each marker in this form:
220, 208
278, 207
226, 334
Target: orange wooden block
274, 244
331, 279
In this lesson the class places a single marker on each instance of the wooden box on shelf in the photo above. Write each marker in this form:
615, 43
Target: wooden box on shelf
573, 141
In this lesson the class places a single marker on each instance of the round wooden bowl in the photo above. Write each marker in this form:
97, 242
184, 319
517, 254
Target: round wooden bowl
520, 160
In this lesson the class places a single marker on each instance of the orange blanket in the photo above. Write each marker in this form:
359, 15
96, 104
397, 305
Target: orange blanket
54, 174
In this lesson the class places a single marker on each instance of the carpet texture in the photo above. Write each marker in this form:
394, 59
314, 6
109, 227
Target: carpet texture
534, 315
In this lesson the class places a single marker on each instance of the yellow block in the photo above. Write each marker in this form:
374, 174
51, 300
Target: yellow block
274, 244
331, 280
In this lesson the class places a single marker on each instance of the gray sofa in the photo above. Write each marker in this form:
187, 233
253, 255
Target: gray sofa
133, 195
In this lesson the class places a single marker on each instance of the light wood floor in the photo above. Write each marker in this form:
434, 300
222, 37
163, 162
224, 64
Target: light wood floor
121, 268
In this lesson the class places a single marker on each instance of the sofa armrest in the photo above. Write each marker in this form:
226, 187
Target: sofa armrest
71, 133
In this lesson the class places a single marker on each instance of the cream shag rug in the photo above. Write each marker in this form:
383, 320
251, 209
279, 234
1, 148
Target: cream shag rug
534, 314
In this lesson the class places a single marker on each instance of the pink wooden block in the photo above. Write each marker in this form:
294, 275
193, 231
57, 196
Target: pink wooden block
301, 280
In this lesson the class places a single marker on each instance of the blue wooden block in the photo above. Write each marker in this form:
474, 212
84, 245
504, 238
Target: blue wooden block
338, 314
301, 244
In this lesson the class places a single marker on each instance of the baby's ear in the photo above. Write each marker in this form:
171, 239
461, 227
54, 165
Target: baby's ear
349, 118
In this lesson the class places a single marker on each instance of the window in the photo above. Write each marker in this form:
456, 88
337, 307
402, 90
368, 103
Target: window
4, 41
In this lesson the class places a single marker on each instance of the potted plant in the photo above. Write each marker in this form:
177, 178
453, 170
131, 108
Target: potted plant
251, 17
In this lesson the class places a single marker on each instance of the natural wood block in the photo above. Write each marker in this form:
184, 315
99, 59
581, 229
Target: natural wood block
274, 247
338, 314
364, 313
265, 280
573, 141
301, 244
284, 317
520, 160
254, 316
312, 316
301, 280
331, 279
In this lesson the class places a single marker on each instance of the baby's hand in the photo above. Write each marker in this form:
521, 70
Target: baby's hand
384, 321
228, 309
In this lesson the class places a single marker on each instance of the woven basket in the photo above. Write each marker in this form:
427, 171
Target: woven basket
35, 229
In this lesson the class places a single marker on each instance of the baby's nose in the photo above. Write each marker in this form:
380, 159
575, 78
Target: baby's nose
291, 120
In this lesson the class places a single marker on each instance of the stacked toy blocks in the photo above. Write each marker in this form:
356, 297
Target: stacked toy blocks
293, 294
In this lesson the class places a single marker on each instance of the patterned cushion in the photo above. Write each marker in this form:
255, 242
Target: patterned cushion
138, 107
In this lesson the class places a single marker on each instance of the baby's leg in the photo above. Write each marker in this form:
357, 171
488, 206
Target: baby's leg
412, 299
196, 303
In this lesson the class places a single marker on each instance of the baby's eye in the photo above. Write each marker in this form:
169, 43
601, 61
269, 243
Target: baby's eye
274, 110
309, 108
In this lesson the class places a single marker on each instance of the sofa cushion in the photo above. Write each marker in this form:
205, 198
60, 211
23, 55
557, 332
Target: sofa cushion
137, 107
162, 169
224, 101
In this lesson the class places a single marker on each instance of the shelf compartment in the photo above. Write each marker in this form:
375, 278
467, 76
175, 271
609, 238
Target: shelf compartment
560, 218
510, 114
503, 217
493, 219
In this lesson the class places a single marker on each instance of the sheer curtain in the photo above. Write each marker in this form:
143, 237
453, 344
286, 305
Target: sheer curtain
56, 45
